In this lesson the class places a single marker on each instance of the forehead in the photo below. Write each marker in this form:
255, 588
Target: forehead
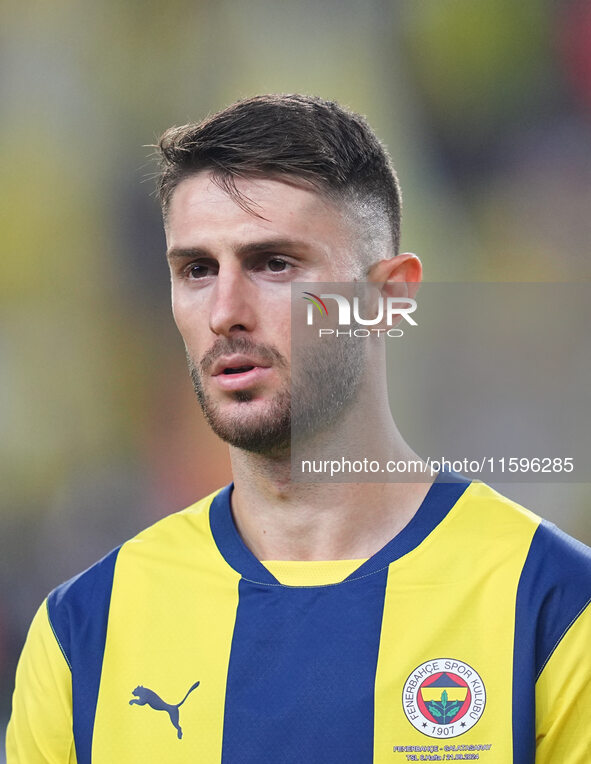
202, 214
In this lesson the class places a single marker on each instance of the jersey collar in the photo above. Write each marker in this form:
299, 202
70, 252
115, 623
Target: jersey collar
443, 494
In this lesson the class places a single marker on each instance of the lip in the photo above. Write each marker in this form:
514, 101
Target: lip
242, 379
235, 361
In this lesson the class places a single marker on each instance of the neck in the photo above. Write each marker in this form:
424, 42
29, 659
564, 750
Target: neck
280, 518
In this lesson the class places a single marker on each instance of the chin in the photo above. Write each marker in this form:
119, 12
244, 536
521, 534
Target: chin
251, 424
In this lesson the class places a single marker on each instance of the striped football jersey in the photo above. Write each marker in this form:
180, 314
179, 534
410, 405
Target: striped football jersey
466, 637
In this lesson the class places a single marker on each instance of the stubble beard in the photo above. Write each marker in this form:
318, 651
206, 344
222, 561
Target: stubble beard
266, 431
262, 433
325, 384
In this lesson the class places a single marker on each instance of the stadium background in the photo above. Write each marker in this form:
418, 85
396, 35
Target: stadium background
485, 107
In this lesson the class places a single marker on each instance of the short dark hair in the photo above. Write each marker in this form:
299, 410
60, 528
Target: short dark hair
293, 135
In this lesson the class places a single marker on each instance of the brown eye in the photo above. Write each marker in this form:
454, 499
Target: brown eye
197, 271
276, 265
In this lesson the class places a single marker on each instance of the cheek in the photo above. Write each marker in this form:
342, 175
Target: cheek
179, 316
278, 320
188, 319
282, 339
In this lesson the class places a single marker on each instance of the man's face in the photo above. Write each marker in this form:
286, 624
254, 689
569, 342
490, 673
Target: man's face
231, 275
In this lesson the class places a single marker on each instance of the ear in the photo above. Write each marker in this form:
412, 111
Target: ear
398, 276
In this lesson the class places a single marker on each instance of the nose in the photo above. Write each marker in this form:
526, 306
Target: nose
232, 308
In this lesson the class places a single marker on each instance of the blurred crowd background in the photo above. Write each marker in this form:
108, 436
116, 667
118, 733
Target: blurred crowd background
485, 108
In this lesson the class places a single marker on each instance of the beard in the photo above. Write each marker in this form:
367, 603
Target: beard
325, 383
246, 427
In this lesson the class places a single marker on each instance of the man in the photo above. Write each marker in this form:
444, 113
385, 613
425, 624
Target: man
279, 621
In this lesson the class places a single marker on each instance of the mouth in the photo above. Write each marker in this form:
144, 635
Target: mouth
236, 373
237, 369
236, 363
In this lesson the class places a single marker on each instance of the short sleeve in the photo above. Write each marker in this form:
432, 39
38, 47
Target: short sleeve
40, 728
563, 698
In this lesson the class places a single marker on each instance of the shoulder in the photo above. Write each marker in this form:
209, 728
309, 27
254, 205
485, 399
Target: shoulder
553, 585
549, 551
482, 498
492, 524
552, 558
554, 588
84, 599
555, 556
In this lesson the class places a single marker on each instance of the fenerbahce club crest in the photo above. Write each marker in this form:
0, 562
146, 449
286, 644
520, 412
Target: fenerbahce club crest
443, 698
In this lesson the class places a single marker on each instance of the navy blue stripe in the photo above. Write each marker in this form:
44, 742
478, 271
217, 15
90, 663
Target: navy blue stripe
228, 540
554, 588
78, 612
301, 677
441, 497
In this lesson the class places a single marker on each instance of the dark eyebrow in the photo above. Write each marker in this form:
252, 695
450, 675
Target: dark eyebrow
180, 252
245, 249
272, 244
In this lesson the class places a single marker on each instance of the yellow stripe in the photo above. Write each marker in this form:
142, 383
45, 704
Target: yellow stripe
41, 731
563, 698
459, 583
171, 621
311, 572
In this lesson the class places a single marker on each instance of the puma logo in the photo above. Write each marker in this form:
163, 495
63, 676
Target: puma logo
145, 695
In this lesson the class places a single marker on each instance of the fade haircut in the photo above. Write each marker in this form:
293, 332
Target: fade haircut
295, 136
